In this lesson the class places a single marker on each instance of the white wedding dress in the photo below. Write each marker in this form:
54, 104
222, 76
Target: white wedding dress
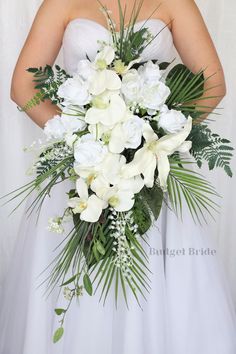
189, 309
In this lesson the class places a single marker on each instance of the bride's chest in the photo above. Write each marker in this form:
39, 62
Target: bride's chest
82, 35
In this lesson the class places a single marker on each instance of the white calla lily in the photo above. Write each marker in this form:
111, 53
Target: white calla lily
89, 207
155, 153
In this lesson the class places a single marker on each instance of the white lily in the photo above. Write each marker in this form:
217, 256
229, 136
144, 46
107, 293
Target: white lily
155, 153
111, 113
89, 207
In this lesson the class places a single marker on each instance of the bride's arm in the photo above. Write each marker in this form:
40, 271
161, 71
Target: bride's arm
41, 47
196, 49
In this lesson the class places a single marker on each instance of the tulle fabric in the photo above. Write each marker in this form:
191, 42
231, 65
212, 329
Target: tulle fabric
189, 309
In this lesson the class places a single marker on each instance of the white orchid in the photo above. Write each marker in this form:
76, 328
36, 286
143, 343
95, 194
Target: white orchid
111, 167
100, 131
121, 68
105, 57
120, 200
89, 207
104, 174
155, 153
110, 113
120, 196
104, 80
97, 75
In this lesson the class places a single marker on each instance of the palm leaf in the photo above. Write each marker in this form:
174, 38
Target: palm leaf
188, 185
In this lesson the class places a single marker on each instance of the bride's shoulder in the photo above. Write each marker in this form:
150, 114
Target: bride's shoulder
183, 11
179, 6
58, 8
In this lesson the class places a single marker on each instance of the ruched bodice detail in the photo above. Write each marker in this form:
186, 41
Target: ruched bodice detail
82, 35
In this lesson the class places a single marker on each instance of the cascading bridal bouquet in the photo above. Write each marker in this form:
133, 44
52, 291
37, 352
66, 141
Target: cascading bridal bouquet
119, 139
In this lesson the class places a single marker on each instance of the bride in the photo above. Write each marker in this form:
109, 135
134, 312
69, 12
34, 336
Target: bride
189, 309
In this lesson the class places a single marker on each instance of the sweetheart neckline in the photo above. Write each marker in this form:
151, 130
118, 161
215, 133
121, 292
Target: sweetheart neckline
107, 30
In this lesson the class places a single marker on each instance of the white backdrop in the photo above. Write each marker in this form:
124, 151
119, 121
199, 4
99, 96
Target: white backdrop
17, 131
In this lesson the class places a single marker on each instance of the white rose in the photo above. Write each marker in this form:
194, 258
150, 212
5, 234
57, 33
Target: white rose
54, 128
172, 121
154, 97
133, 128
150, 72
131, 86
89, 152
74, 91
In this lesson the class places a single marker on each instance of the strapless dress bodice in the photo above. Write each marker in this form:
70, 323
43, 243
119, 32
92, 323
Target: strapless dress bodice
81, 40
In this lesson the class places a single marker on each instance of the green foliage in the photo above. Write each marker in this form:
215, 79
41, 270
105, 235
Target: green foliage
129, 42
43, 184
47, 82
33, 102
211, 148
58, 334
133, 45
141, 214
186, 87
59, 312
48, 159
153, 198
87, 284
188, 185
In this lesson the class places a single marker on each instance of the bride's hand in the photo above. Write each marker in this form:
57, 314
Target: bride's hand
41, 47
